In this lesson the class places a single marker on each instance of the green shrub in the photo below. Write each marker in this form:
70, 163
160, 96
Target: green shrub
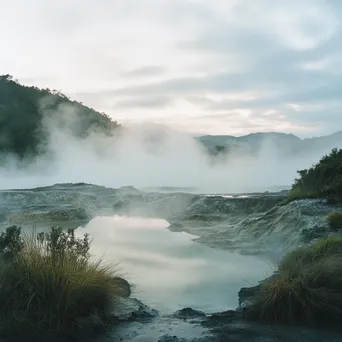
335, 220
307, 288
303, 256
62, 244
323, 179
49, 288
10, 242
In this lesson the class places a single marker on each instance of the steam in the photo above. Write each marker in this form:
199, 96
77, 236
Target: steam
146, 156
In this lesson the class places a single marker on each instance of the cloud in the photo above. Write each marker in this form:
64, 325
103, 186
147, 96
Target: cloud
185, 59
143, 102
152, 70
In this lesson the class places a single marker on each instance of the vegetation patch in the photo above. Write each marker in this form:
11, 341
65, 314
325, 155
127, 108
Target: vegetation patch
307, 288
24, 111
335, 220
323, 179
50, 289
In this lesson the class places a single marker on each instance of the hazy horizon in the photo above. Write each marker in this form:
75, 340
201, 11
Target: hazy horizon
149, 156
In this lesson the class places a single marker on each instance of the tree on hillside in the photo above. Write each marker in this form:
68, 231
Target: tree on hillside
323, 179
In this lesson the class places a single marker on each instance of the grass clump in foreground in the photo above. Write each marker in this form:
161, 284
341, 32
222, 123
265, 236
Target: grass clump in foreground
49, 289
307, 288
335, 220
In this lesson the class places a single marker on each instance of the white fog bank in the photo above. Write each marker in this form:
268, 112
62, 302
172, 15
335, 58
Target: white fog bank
151, 156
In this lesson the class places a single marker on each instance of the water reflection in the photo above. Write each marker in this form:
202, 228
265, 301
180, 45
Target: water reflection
171, 271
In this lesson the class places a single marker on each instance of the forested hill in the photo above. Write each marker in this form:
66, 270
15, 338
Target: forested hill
23, 110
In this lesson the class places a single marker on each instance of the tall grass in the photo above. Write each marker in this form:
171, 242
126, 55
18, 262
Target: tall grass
50, 290
308, 287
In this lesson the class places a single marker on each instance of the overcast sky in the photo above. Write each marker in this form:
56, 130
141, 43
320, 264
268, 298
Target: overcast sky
205, 66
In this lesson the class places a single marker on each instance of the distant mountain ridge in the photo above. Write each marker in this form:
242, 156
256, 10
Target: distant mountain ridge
212, 140
285, 143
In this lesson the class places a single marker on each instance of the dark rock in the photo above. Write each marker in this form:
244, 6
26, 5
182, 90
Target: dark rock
143, 313
247, 294
168, 338
232, 326
131, 309
223, 317
176, 227
123, 286
188, 313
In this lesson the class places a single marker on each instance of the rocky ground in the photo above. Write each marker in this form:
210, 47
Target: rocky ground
220, 222
140, 324
260, 223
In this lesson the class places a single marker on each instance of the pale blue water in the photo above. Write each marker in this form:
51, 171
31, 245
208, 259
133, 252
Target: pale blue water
168, 269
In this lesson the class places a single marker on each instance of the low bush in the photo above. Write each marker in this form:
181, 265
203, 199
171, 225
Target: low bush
49, 288
335, 220
307, 288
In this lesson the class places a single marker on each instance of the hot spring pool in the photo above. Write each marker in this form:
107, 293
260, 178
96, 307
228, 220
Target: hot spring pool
169, 270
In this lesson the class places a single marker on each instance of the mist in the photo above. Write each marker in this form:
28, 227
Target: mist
147, 156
